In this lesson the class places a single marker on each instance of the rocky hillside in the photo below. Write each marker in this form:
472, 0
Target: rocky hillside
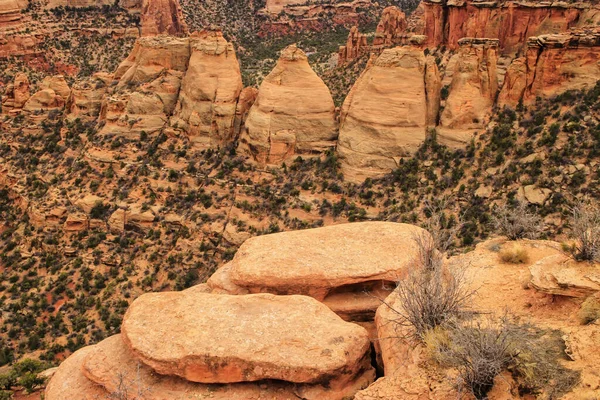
163, 162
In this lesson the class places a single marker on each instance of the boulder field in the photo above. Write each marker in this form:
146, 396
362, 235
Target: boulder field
202, 343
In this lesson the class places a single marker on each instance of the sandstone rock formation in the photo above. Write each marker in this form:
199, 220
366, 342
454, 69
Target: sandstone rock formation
85, 99
268, 337
356, 45
44, 100
559, 275
162, 17
329, 264
10, 13
511, 22
245, 102
293, 113
16, 94
210, 89
472, 92
392, 25
553, 64
69, 382
387, 112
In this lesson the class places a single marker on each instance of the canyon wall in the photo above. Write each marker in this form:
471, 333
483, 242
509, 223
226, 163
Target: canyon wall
445, 22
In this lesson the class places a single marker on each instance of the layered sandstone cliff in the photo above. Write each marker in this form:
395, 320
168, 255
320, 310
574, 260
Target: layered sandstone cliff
210, 89
445, 22
386, 115
472, 92
162, 17
294, 113
552, 65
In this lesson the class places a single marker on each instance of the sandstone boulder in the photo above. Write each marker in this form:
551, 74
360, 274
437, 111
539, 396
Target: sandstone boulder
85, 100
44, 100
334, 264
386, 114
560, 275
290, 338
472, 92
293, 114
112, 364
161, 17
70, 383
58, 84
206, 108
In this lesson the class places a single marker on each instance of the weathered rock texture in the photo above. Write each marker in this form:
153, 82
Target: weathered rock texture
387, 112
210, 89
472, 92
512, 22
16, 94
10, 13
268, 337
329, 264
293, 113
553, 64
356, 45
392, 26
85, 99
560, 275
162, 17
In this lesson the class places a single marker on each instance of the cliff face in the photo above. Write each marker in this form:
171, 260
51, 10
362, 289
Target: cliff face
472, 92
552, 65
293, 114
162, 17
445, 22
387, 112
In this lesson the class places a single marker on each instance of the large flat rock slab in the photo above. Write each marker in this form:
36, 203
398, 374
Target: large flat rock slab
69, 382
112, 365
213, 338
319, 261
561, 275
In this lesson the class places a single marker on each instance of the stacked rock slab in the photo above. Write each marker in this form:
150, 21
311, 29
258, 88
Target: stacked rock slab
192, 344
210, 89
294, 113
552, 65
335, 265
387, 112
472, 92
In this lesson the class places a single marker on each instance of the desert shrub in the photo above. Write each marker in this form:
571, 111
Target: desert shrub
430, 298
585, 226
517, 222
514, 255
481, 349
590, 310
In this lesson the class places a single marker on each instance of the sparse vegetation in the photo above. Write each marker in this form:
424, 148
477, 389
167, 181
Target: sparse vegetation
517, 222
514, 254
585, 225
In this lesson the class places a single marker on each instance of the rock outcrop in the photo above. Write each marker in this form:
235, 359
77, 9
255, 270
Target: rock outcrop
267, 338
206, 109
472, 92
560, 275
511, 22
294, 113
162, 17
10, 13
16, 94
552, 65
387, 112
329, 264
391, 27
356, 46
85, 99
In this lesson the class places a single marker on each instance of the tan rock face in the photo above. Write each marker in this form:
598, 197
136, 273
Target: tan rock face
17, 94
10, 13
69, 382
472, 91
329, 264
58, 84
44, 100
85, 100
387, 112
392, 25
162, 17
515, 83
111, 360
291, 338
356, 45
245, 102
206, 108
293, 113
559, 275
